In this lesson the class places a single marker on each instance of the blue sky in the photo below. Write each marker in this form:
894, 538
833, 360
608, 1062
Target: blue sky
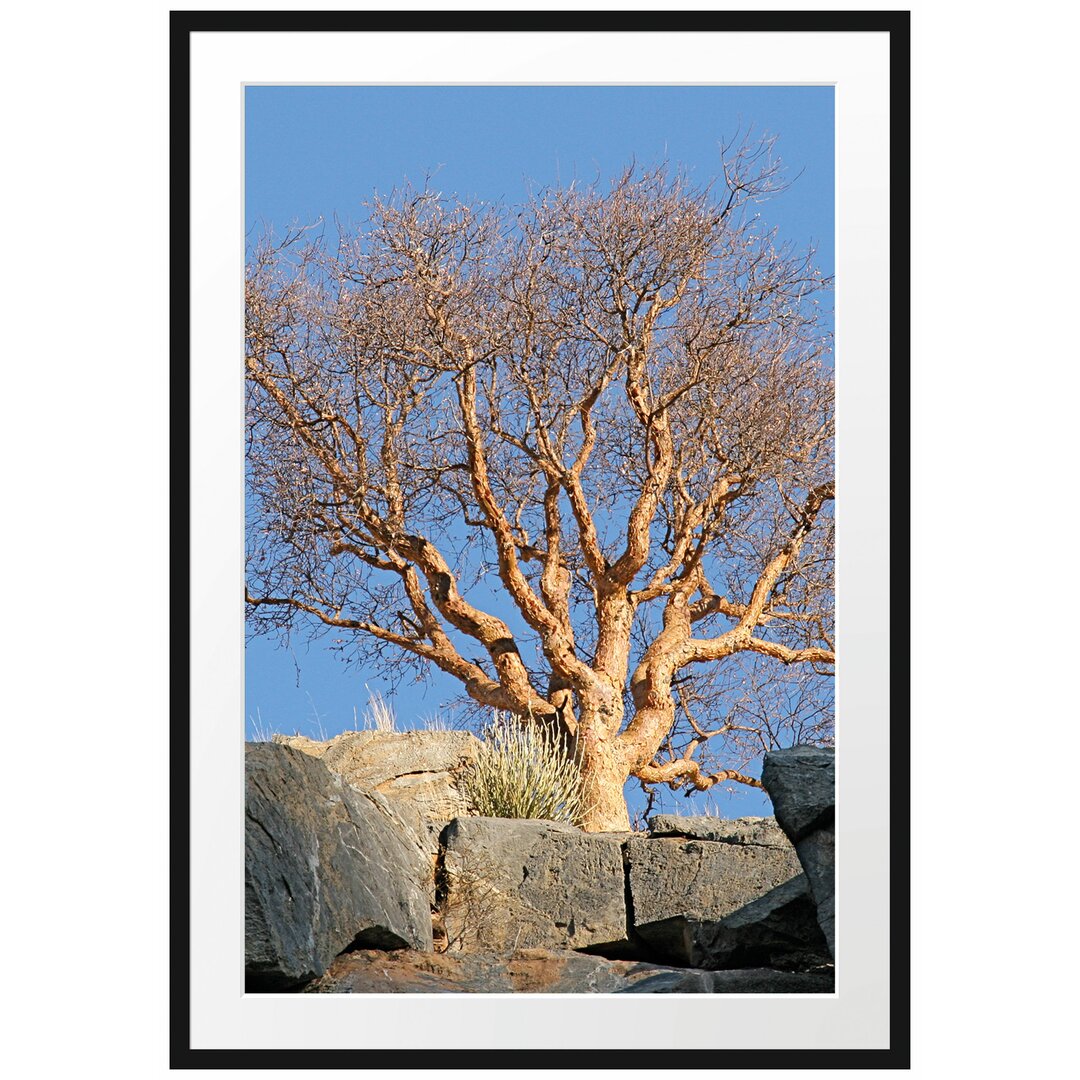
319, 151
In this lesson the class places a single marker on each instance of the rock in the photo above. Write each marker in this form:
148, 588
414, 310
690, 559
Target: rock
801, 782
312, 747
542, 971
325, 869
802, 785
817, 853
745, 981
421, 835
526, 971
420, 769
762, 831
702, 880
780, 930
510, 884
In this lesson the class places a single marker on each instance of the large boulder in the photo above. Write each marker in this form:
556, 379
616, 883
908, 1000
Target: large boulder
701, 880
801, 782
541, 971
326, 869
420, 770
513, 884
779, 930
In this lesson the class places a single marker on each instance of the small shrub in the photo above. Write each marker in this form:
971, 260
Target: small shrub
524, 771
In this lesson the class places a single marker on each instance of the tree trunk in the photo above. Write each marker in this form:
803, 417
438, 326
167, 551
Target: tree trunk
604, 773
606, 804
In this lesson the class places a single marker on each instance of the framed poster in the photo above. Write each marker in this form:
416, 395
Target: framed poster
259, 99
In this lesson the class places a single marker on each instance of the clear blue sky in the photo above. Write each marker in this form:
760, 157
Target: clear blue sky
318, 151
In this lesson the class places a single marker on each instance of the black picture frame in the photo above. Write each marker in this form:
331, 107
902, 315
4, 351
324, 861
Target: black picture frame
896, 24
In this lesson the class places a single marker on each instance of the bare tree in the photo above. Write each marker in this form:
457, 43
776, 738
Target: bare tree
613, 408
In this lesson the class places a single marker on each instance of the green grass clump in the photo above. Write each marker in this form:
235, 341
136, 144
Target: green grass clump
524, 771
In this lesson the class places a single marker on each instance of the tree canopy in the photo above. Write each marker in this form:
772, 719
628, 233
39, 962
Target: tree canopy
576, 454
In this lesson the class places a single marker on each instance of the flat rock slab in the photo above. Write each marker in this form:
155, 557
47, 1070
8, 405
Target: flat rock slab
515, 884
541, 971
762, 831
325, 868
700, 879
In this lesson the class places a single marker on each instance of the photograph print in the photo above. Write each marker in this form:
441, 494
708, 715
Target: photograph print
540, 502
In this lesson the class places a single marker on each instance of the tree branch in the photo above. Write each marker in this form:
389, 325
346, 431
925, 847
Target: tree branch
679, 773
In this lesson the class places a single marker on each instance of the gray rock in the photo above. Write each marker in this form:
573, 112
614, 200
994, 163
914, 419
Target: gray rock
418, 769
514, 884
802, 785
526, 971
325, 868
670, 981
701, 880
746, 981
763, 831
817, 853
420, 835
780, 930
801, 782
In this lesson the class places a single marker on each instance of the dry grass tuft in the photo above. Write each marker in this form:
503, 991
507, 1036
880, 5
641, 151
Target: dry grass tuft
524, 771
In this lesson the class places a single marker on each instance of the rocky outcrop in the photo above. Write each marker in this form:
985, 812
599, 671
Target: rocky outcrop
511, 884
801, 782
420, 769
779, 930
543, 971
354, 884
687, 875
326, 869
704, 880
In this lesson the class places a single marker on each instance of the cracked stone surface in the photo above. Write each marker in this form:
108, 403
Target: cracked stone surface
326, 867
701, 879
763, 831
779, 930
511, 884
415, 770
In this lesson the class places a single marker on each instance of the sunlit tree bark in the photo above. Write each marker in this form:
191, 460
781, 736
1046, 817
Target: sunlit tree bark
613, 409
